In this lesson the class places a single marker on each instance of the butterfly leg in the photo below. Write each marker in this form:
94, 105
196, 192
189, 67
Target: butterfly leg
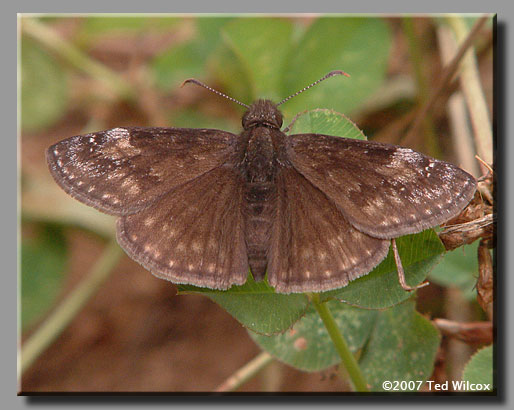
401, 273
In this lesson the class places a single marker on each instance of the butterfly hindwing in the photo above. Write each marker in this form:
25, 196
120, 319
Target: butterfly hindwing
313, 247
123, 170
198, 206
194, 234
403, 192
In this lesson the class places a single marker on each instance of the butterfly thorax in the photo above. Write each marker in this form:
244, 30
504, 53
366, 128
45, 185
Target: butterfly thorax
262, 113
264, 141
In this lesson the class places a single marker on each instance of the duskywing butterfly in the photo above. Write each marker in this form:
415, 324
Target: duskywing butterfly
203, 206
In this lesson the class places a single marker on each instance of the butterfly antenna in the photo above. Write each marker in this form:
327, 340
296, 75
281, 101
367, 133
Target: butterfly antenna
194, 81
331, 74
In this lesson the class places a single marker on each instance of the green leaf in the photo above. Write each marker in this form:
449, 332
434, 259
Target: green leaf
230, 72
188, 59
177, 64
43, 262
323, 121
458, 268
256, 306
380, 288
210, 29
307, 346
402, 347
479, 369
261, 45
358, 45
44, 92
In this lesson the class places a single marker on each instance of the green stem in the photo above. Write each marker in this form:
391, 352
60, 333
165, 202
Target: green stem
347, 358
51, 40
245, 373
68, 309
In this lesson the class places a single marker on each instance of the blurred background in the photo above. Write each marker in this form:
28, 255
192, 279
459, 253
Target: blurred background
87, 73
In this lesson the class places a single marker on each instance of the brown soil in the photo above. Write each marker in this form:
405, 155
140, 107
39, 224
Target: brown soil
137, 335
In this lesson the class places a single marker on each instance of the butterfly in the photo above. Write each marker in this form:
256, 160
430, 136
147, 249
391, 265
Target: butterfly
309, 212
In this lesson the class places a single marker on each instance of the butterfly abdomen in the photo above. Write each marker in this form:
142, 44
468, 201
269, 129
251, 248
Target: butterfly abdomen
259, 210
259, 169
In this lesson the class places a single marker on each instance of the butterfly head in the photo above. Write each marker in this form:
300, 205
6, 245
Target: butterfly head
262, 113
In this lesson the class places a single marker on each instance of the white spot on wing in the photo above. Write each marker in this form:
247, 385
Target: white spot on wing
195, 246
124, 143
117, 133
134, 190
368, 209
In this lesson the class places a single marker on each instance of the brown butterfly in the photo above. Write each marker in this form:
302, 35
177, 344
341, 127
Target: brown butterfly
203, 206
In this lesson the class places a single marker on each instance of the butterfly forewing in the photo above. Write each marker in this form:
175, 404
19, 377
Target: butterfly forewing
383, 190
317, 211
313, 247
124, 170
194, 234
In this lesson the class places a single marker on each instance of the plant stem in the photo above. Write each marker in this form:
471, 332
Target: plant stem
474, 94
51, 40
68, 309
347, 358
460, 130
444, 80
245, 373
